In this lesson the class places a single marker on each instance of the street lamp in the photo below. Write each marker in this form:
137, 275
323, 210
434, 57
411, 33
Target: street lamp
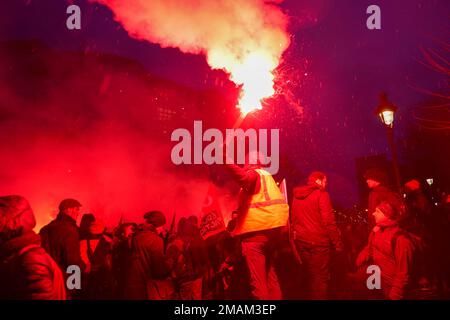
386, 111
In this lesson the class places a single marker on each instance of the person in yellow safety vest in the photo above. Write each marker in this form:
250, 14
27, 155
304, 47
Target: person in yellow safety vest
262, 214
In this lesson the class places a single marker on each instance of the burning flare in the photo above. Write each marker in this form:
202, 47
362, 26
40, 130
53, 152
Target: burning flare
255, 75
245, 38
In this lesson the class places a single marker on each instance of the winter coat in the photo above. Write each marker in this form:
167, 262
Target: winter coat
420, 213
390, 249
60, 238
313, 219
190, 258
148, 265
27, 272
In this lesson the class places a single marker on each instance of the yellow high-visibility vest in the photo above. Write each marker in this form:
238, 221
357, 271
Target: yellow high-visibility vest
264, 210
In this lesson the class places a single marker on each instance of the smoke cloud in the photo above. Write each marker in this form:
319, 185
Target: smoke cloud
227, 32
83, 126
90, 127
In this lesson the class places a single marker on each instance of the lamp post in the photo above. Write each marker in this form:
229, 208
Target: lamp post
386, 111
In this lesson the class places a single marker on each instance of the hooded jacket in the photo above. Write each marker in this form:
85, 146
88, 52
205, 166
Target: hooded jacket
27, 272
313, 218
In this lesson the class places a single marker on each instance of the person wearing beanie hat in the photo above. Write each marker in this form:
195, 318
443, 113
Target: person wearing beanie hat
377, 181
61, 238
315, 233
317, 178
391, 249
149, 271
387, 210
26, 270
155, 218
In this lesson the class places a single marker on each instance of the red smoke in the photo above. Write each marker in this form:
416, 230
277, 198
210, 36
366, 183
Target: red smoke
88, 127
245, 38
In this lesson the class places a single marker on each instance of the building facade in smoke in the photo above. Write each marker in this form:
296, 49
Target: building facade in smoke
109, 146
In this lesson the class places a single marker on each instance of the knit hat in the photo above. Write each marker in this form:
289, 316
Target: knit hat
314, 176
68, 203
155, 218
388, 210
376, 175
15, 214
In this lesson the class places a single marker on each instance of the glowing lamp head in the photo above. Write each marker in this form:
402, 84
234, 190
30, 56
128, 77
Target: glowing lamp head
386, 111
387, 117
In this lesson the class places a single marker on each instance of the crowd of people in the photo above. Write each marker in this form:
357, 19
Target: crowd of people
407, 239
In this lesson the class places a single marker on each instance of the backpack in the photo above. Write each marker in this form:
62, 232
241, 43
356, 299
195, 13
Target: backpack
420, 274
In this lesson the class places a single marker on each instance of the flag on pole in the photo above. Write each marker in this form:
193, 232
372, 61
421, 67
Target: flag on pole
283, 189
211, 221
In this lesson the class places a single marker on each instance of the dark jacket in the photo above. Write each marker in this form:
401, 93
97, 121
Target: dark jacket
28, 272
148, 263
419, 213
190, 258
247, 177
394, 257
381, 194
121, 262
313, 218
60, 238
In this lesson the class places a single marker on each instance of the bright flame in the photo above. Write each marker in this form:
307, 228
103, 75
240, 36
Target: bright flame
245, 38
255, 75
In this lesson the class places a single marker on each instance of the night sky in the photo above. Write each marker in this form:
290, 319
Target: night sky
343, 64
